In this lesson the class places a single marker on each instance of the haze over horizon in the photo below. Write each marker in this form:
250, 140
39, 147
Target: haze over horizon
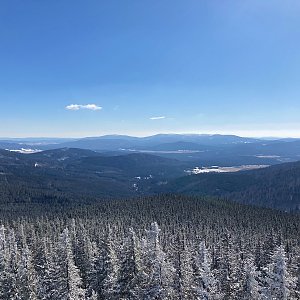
76, 69
145, 136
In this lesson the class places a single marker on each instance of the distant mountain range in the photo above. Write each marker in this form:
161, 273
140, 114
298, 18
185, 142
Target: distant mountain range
207, 149
118, 142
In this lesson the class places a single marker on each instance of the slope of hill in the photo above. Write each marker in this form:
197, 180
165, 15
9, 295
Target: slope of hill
179, 146
88, 173
277, 186
82, 172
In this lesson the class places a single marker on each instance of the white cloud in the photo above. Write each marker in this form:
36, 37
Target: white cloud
73, 107
86, 106
157, 118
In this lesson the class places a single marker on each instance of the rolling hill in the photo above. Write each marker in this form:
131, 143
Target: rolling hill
81, 172
223, 150
276, 187
72, 172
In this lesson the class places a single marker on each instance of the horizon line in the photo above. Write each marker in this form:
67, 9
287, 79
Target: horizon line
150, 135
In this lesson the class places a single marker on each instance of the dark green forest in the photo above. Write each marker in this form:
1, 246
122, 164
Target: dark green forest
64, 175
160, 247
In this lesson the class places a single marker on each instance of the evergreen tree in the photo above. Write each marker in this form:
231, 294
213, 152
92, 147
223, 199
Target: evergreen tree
251, 288
94, 268
10, 286
184, 272
110, 269
228, 267
279, 283
70, 282
93, 296
26, 277
3, 263
158, 269
48, 276
130, 268
206, 286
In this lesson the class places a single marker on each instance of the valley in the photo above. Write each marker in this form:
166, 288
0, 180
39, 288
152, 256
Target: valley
241, 169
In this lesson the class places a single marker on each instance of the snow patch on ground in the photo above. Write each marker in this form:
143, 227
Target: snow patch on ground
25, 150
146, 177
164, 151
267, 156
63, 158
135, 186
216, 169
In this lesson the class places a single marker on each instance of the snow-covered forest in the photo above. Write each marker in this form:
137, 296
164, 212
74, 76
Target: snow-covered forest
164, 247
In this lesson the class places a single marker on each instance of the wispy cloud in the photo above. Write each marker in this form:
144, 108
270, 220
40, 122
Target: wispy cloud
80, 106
157, 118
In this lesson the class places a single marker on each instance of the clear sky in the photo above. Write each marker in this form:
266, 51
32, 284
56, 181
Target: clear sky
85, 68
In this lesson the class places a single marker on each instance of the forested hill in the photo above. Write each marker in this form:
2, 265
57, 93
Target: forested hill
75, 175
167, 247
70, 174
277, 186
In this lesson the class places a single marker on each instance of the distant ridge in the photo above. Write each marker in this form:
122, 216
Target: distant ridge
276, 187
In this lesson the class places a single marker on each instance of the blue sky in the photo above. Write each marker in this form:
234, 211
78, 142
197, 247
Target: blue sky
151, 66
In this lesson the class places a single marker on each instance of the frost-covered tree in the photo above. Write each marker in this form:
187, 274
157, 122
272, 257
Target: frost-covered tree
93, 296
70, 283
48, 275
159, 270
94, 268
26, 277
84, 252
110, 269
206, 286
10, 288
228, 266
251, 287
183, 269
129, 275
3, 263
279, 283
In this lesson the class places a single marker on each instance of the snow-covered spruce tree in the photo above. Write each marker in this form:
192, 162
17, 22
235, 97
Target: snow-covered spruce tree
88, 255
94, 268
206, 286
21, 236
159, 271
129, 275
26, 277
109, 285
251, 286
267, 250
296, 269
228, 267
3, 263
279, 283
69, 285
93, 296
97, 272
10, 258
48, 275
83, 251
183, 266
